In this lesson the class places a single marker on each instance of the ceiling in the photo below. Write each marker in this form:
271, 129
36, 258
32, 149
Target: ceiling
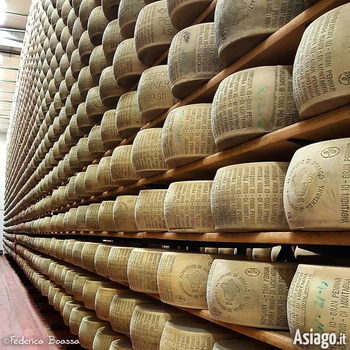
11, 37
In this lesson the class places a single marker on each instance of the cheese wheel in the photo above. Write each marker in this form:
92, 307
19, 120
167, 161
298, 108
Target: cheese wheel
105, 216
97, 63
95, 145
316, 191
89, 292
150, 218
110, 8
122, 308
128, 12
317, 301
240, 27
193, 59
108, 88
85, 9
187, 207
182, 279
85, 47
111, 39
76, 253
241, 344
104, 297
76, 64
91, 217
76, 317
142, 270
101, 258
121, 344
68, 248
118, 262
65, 299
53, 289
89, 250
104, 338
80, 190
88, 329
235, 209
83, 154
121, 167
71, 47
146, 155
68, 281
249, 293
45, 288
153, 32
187, 135
128, 117
196, 334
90, 179
78, 285
124, 213
104, 175
109, 133
80, 217
126, 65
84, 123
68, 308
75, 95
96, 25
183, 13
153, 93
147, 324
94, 106
85, 81
237, 118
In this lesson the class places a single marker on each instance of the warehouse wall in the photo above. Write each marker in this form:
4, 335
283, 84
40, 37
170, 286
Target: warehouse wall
2, 182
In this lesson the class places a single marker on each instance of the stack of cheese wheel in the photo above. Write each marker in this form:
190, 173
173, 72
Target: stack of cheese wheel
314, 93
147, 324
104, 174
153, 93
111, 39
126, 66
104, 338
146, 155
109, 133
124, 213
142, 269
90, 179
150, 218
87, 330
105, 216
316, 188
76, 316
91, 217
108, 88
127, 115
196, 334
153, 32
193, 59
187, 207
317, 301
183, 13
239, 114
122, 308
250, 293
118, 263
182, 279
240, 27
230, 197
121, 166
187, 135
127, 14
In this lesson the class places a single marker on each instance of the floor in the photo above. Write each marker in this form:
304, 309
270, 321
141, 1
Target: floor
19, 316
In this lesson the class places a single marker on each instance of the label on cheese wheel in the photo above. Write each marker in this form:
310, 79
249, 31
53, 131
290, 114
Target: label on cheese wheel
118, 262
249, 293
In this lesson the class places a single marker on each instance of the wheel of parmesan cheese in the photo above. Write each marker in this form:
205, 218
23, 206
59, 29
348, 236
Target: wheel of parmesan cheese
193, 59
76, 317
76, 253
153, 32
91, 217
85, 81
105, 216
240, 26
83, 153
110, 8
80, 190
124, 213
97, 63
80, 217
187, 207
127, 13
117, 263
85, 47
89, 292
108, 88
89, 249
95, 145
96, 25
68, 308
265, 103
104, 175
90, 179
249, 293
85, 9
88, 329
111, 39
317, 188
104, 338
187, 135
109, 133
101, 258
78, 285
76, 63
146, 155
150, 218
94, 106
249, 197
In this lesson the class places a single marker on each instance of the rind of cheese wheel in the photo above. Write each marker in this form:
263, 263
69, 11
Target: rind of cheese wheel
121, 166
324, 86
64, 301
83, 154
187, 134
111, 39
240, 28
90, 179
76, 253
80, 217
108, 88
265, 103
317, 300
78, 285
126, 66
95, 145
316, 188
192, 59
121, 344
109, 133
147, 324
67, 251
182, 279
124, 213
196, 334
87, 330
94, 106
96, 25
97, 63
91, 217
241, 344
104, 338
118, 262
153, 92
85, 47
187, 207
57, 299
68, 308
85, 81
105, 216
150, 218
53, 289
127, 115
229, 194
104, 297
184, 12
85, 124
51, 270
142, 270
88, 255
122, 308
68, 281
249, 293
62, 277
80, 189
128, 12
104, 174
90, 290
146, 154
153, 32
